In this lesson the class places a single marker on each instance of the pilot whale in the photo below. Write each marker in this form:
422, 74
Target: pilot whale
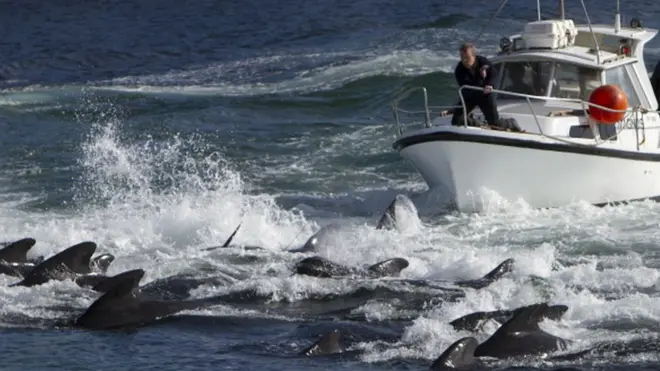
228, 244
521, 336
312, 244
123, 306
459, 356
317, 266
387, 221
326, 345
71, 263
490, 277
176, 287
389, 218
472, 321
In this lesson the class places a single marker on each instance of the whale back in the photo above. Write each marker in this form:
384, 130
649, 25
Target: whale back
388, 268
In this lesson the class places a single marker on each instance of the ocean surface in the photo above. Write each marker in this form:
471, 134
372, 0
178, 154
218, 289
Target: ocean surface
154, 128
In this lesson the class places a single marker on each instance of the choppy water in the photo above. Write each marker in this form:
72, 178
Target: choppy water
155, 127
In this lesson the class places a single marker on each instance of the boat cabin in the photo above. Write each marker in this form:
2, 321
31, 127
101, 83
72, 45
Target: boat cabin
556, 59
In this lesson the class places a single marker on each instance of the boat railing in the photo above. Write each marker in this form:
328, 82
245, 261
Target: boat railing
632, 114
428, 110
628, 113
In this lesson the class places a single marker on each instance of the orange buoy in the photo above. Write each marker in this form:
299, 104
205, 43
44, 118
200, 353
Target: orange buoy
610, 96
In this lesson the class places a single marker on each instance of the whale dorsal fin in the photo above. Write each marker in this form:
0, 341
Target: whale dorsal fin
129, 277
228, 242
328, 344
232, 236
122, 293
74, 259
492, 276
499, 271
390, 267
526, 319
16, 252
457, 356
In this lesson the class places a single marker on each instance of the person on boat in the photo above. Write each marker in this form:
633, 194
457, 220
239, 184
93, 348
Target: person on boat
475, 70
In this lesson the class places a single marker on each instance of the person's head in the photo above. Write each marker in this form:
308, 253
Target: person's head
468, 55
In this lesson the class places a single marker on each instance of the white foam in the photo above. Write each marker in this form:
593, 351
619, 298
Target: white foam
155, 204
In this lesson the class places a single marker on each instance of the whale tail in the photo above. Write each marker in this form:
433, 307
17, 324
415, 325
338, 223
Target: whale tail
16, 252
390, 267
458, 356
73, 260
328, 344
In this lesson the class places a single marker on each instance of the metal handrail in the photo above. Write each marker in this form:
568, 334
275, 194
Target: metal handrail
538, 97
406, 93
528, 97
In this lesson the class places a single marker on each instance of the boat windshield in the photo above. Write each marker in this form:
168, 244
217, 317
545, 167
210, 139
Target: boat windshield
530, 78
545, 78
576, 82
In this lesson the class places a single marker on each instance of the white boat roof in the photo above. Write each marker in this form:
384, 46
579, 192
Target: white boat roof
641, 34
585, 55
578, 55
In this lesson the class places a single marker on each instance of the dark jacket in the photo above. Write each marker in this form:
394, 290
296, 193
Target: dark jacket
472, 76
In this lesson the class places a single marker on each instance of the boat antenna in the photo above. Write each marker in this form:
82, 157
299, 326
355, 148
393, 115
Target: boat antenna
617, 17
538, 10
490, 20
591, 29
561, 10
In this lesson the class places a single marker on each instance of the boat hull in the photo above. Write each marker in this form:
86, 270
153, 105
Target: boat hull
540, 172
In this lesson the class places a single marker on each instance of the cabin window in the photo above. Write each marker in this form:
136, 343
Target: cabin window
529, 78
575, 82
619, 76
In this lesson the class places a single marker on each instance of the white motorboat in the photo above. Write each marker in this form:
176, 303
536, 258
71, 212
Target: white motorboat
564, 153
